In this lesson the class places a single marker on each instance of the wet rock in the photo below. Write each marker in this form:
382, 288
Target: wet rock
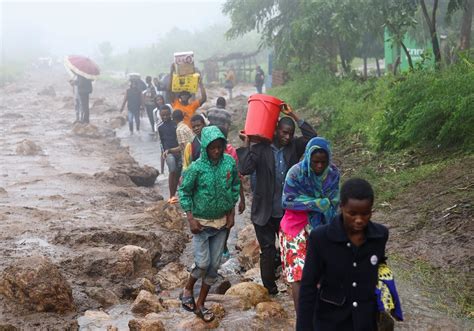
133, 261
266, 310
105, 297
146, 303
245, 236
221, 286
167, 215
253, 275
171, 303
118, 122
36, 283
3, 193
218, 310
250, 255
98, 102
250, 293
104, 108
132, 290
140, 176
230, 302
96, 315
48, 91
173, 275
86, 130
151, 322
112, 328
118, 179
28, 147
8, 327
195, 323
143, 176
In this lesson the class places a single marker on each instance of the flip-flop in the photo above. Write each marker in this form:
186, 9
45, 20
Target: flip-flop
187, 302
205, 314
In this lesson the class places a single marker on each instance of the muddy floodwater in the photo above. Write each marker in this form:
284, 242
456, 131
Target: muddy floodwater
69, 192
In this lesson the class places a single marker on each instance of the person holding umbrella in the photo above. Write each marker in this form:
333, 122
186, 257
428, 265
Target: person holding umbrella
86, 71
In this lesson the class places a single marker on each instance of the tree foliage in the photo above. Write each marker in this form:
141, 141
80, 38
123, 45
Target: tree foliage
333, 32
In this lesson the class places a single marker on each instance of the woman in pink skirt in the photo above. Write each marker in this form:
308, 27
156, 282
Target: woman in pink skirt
310, 198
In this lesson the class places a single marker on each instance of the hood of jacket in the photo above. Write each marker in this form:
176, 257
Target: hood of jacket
208, 135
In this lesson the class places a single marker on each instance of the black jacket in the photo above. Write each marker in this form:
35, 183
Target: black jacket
84, 85
347, 276
259, 158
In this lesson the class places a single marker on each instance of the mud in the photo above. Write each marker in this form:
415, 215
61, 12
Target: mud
75, 201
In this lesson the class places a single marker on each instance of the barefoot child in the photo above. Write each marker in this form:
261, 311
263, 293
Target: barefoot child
341, 268
208, 194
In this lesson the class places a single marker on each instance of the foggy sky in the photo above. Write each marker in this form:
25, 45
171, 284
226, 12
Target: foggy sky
67, 27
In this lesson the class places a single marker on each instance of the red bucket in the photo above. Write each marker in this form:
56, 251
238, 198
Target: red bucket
262, 116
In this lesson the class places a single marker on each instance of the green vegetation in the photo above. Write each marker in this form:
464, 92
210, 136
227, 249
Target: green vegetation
452, 286
10, 71
422, 109
331, 33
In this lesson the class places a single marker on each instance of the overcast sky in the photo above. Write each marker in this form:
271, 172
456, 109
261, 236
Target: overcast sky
69, 27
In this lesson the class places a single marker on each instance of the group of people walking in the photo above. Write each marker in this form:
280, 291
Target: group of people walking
320, 232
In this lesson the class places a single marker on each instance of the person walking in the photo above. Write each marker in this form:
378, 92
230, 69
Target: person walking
208, 194
340, 274
192, 151
134, 101
170, 149
310, 199
219, 116
229, 81
149, 96
259, 79
181, 100
270, 161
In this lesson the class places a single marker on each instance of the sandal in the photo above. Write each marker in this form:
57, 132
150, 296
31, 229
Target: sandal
205, 314
187, 302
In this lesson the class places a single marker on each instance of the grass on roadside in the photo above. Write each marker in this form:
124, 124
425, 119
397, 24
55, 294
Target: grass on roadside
447, 286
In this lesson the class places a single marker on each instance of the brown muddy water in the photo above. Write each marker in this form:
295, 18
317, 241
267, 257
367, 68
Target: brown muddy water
58, 199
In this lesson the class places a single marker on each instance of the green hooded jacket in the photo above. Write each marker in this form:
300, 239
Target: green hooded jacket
210, 190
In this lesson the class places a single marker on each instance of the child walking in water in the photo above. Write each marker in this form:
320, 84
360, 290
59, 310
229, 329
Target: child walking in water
208, 194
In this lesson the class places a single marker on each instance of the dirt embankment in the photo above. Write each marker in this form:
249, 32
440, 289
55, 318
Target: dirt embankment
72, 193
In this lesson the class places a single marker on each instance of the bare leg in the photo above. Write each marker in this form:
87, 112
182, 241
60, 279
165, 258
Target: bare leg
189, 287
295, 291
202, 295
172, 183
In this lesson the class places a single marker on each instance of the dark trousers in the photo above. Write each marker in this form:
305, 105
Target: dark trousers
149, 112
84, 107
266, 236
259, 88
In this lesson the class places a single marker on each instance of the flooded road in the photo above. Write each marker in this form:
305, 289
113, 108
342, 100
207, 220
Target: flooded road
65, 194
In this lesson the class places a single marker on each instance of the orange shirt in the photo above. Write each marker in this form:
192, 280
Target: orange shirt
188, 110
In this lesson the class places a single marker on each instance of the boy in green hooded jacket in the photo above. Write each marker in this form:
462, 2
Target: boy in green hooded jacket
208, 194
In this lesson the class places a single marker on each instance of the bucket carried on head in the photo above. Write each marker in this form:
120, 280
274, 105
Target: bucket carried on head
262, 116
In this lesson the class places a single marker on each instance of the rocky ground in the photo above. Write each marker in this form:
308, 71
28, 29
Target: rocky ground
88, 243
